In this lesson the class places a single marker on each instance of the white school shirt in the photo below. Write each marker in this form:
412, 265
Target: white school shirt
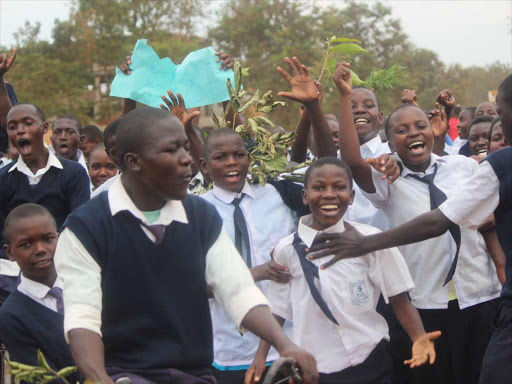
9, 268
351, 289
39, 292
81, 274
429, 261
458, 143
34, 179
362, 210
268, 221
4, 161
105, 186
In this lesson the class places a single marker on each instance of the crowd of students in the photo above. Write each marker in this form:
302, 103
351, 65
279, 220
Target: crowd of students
113, 263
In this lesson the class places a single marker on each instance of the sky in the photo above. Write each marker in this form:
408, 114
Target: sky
468, 32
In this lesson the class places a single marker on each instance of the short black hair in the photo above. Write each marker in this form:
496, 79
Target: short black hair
387, 124
207, 147
471, 110
70, 117
39, 112
25, 211
369, 90
494, 122
478, 120
505, 89
91, 133
110, 130
457, 109
328, 161
132, 133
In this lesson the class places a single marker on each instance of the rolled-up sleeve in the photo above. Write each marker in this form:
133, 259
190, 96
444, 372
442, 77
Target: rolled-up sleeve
81, 276
231, 280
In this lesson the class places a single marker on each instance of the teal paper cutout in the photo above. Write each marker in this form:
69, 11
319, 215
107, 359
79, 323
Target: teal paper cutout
199, 78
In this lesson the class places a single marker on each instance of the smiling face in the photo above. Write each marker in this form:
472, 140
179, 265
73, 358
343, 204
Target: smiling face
26, 130
328, 194
101, 167
411, 137
479, 138
227, 163
367, 117
31, 242
498, 140
465, 118
486, 109
65, 138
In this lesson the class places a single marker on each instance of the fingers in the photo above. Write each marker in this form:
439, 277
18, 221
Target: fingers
434, 335
227, 63
12, 58
292, 66
167, 102
330, 262
189, 117
249, 376
299, 66
431, 356
173, 98
284, 74
288, 95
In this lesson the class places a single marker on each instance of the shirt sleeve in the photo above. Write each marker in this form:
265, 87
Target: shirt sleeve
81, 276
231, 280
279, 294
380, 198
475, 200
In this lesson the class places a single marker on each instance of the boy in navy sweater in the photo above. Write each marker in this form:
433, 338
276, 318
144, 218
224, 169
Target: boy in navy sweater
136, 262
32, 316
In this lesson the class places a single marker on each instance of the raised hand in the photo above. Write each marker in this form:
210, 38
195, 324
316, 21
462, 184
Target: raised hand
343, 79
227, 63
423, 350
446, 98
6, 62
303, 88
409, 97
125, 67
177, 108
438, 121
386, 165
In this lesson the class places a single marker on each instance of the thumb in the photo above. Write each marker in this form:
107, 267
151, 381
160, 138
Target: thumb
371, 161
434, 335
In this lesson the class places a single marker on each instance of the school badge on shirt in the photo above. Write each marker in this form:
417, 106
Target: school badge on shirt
359, 293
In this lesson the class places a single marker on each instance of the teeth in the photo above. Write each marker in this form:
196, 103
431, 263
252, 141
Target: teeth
361, 121
233, 173
416, 143
330, 206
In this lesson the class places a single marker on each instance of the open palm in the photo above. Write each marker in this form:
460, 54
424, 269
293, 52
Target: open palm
303, 88
177, 108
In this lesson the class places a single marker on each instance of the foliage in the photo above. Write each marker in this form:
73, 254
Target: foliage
39, 374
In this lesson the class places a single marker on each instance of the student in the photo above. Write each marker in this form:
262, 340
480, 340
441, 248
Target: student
265, 216
333, 311
496, 136
101, 166
146, 251
486, 109
7, 97
32, 317
479, 135
66, 138
488, 191
466, 116
463, 306
90, 137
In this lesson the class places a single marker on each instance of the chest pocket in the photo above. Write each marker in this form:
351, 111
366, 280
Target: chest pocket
356, 294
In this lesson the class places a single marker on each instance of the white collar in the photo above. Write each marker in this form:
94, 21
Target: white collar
119, 200
308, 234
21, 166
433, 160
37, 289
228, 196
373, 144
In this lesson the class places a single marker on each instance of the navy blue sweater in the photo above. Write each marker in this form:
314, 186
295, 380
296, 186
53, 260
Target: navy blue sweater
501, 162
155, 307
26, 326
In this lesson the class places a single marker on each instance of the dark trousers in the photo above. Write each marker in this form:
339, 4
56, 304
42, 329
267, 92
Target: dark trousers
461, 348
376, 369
163, 376
234, 377
497, 364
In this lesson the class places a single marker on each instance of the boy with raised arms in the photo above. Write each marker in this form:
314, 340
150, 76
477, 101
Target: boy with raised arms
136, 262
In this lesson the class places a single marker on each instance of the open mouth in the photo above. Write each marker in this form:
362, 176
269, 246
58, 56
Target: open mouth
417, 147
329, 209
186, 179
63, 149
232, 176
482, 152
361, 121
24, 146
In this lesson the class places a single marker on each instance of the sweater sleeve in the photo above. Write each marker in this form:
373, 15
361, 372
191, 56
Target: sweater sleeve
78, 189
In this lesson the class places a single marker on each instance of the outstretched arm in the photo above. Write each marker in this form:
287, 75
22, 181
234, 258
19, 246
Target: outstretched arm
305, 91
5, 103
300, 144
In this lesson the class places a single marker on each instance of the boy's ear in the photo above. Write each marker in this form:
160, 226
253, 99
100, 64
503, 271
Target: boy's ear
304, 197
203, 166
96, 141
46, 126
7, 250
381, 118
82, 138
391, 146
352, 195
132, 161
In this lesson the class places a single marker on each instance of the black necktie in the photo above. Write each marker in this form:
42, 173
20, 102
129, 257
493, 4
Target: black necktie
241, 232
437, 197
57, 293
310, 272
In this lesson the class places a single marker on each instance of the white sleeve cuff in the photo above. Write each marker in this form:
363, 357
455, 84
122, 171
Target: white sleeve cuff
240, 305
82, 316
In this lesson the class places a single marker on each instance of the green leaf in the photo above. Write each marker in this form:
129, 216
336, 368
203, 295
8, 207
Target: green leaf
254, 99
253, 124
356, 80
245, 71
41, 360
231, 91
238, 76
66, 371
263, 121
215, 119
335, 39
347, 48
331, 65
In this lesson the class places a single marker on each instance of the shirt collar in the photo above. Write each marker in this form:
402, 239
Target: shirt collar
433, 160
119, 201
21, 166
228, 196
372, 145
37, 289
308, 234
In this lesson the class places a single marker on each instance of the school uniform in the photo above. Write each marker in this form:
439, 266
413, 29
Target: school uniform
143, 286
461, 308
338, 323
9, 275
268, 220
31, 320
490, 190
105, 186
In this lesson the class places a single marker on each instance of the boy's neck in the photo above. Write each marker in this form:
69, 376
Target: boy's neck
143, 197
37, 162
47, 280
364, 139
419, 167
